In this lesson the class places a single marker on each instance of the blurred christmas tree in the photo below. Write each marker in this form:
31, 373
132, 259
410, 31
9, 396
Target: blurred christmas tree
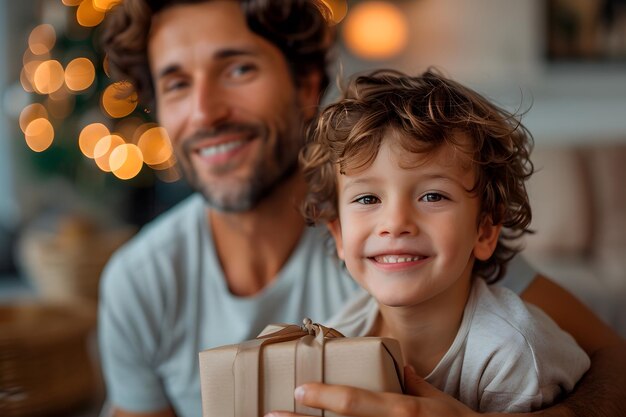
76, 125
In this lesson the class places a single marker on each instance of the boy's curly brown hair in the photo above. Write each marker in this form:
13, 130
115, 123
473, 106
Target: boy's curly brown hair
299, 28
428, 111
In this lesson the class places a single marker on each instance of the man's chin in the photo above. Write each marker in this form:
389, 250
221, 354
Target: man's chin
241, 195
230, 204
229, 198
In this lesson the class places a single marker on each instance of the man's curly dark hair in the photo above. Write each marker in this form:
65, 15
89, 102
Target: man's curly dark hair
299, 28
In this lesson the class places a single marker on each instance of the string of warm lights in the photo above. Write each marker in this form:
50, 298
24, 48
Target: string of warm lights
122, 151
372, 30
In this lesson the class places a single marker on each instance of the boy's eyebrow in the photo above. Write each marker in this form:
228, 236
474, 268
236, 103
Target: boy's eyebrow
219, 55
444, 177
438, 176
358, 181
348, 183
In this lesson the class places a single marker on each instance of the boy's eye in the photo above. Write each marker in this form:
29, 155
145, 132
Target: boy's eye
367, 199
432, 198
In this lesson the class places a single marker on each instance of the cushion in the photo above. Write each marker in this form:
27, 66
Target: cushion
560, 198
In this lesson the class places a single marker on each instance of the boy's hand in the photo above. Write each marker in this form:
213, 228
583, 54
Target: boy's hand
422, 399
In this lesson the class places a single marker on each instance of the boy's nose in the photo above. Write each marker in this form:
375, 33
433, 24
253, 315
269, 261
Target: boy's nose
399, 219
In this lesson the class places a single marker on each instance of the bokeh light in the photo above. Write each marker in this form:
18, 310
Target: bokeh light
61, 103
169, 175
164, 165
42, 39
90, 136
105, 66
87, 15
30, 56
26, 82
104, 148
155, 146
126, 161
39, 134
71, 2
60, 94
104, 5
376, 30
114, 103
30, 113
79, 74
49, 77
29, 70
31, 67
338, 8
127, 127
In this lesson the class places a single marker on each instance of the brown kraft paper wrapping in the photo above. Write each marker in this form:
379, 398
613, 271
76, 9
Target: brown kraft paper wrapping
260, 375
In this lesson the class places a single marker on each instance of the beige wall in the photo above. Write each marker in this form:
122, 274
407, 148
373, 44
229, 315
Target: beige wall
497, 47
475, 41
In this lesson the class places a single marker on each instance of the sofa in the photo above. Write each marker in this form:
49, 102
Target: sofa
578, 196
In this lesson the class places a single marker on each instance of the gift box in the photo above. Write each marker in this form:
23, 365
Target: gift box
260, 375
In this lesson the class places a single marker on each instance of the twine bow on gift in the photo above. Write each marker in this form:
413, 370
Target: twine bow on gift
309, 364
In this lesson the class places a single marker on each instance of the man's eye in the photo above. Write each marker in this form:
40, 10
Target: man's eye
241, 70
174, 85
367, 199
432, 198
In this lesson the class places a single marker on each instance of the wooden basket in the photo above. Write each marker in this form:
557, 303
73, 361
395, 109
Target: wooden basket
67, 264
45, 366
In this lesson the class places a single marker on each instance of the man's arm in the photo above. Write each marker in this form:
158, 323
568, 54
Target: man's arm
163, 413
602, 391
591, 333
127, 336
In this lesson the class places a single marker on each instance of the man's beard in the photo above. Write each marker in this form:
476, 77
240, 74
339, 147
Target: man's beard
247, 194
243, 194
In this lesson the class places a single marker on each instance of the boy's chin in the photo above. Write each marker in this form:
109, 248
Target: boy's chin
395, 297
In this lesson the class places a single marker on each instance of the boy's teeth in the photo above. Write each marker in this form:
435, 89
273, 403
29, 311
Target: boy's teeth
221, 148
392, 259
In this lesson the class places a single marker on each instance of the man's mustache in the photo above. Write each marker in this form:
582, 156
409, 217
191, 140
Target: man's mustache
248, 130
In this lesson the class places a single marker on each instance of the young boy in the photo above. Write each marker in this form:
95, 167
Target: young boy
421, 183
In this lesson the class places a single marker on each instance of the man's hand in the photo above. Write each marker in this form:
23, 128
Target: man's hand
422, 399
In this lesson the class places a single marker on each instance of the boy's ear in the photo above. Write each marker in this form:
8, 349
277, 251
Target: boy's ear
335, 230
488, 235
309, 93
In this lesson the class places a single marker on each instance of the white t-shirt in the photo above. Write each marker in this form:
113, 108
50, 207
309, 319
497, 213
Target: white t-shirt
507, 356
164, 298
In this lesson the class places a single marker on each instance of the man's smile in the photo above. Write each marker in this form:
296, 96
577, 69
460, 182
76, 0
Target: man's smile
220, 148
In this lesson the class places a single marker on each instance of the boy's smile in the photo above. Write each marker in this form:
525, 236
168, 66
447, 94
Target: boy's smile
408, 227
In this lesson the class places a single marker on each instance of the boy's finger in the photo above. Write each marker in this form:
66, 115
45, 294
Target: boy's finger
346, 401
416, 385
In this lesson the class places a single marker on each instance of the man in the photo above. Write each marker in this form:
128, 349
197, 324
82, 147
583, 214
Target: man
235, 83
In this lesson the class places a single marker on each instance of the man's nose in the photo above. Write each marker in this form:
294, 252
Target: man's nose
399, 218
210, 105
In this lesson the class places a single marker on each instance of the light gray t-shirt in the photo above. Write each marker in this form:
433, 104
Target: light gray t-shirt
507, 356
164, 299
